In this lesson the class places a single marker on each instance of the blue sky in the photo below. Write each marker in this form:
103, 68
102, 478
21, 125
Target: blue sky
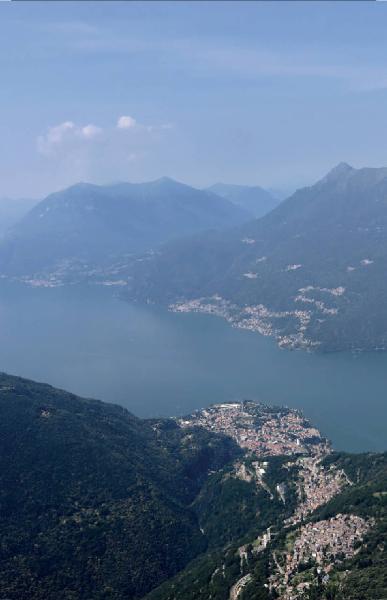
272, 93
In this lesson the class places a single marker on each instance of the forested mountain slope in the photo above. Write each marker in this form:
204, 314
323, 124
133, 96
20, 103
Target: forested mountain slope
338, 552
94, 502
311, 272
239, 500
95, 225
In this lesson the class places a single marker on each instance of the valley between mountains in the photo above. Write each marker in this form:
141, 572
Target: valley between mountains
309, 272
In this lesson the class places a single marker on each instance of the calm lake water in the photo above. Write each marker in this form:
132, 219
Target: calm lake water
158, 363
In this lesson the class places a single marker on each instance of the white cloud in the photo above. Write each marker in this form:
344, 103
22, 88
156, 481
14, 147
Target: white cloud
64, 134
90, 131
126, 122
54, 136
90, 152
67, 135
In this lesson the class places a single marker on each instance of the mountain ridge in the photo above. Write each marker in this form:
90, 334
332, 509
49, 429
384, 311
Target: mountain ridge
95, 224
89, 493
310, 271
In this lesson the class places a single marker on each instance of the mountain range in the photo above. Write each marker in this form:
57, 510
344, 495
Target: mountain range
96, 503
310, 272
95, 224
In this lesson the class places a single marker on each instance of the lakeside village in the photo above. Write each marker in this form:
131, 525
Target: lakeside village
265, 431
288, 327
259, 318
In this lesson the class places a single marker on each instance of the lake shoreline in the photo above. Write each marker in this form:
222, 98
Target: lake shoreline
158, 363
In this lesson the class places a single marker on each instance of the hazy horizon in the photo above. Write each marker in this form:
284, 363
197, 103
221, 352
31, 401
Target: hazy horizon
247, 93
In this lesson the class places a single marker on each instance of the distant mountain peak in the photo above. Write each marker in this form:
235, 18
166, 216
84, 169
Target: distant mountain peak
165, 179
95, 223
339, 170
76, 188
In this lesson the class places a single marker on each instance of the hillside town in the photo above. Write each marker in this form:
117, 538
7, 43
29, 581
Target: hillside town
317, 546
264, 430
311, 549
316, 485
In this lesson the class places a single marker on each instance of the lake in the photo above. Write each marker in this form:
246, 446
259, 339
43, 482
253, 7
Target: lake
153, 362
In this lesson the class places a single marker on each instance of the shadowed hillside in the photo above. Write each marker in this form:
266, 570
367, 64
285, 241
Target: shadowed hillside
94, 502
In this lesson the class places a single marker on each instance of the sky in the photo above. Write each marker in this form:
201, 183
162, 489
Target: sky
257, 93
